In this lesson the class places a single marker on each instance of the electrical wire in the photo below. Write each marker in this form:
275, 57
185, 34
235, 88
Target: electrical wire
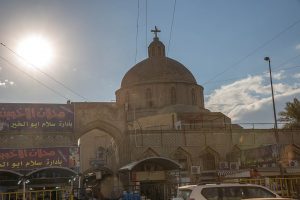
287, 68
172, 23
241, 77
286, 61
40, 82
275, 69
137, 30
44, 73
253, 51
146, 19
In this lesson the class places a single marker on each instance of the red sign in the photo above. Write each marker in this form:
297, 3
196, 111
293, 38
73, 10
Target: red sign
16, 159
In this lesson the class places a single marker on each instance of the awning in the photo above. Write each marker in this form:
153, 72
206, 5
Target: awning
9, 177
166, 163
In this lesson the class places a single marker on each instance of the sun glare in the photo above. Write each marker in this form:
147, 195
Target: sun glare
36, 50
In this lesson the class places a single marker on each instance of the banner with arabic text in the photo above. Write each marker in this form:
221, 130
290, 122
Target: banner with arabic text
33, 158
36, 117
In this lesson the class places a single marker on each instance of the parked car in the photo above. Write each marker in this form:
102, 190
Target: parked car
269, 199
224, 191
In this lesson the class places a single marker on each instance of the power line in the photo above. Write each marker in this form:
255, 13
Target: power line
241, 77
137, 29
146, 19
44, 73
236, 78
286, 61
277, 68
172, 23
286, 68
16, 67
254, 51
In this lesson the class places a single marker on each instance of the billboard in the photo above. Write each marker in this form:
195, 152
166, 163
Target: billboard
33, 158
36, 117
264, 156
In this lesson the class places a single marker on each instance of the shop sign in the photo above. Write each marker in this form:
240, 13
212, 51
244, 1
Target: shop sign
36, 117
33, 158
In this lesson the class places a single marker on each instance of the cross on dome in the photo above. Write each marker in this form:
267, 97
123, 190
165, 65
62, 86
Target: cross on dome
155, 31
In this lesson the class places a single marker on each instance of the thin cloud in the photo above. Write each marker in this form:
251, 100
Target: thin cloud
250, 99
238, 91
279, 75
6, 83
297, 46
296, 75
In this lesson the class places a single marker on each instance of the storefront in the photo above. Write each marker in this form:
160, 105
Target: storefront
153, 177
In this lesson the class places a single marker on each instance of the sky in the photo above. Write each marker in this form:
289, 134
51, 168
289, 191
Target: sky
95, 42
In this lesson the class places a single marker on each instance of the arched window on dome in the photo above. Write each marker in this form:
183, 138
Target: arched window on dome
153, 52
126, 105
149, 98
173, 96
159, 51
194, 98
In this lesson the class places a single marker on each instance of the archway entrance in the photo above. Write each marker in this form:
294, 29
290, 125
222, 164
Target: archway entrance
99, 163
8, 180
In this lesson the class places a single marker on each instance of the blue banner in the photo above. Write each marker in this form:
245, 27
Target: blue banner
36, 117
33, 158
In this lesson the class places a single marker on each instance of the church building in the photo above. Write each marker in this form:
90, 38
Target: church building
157, 134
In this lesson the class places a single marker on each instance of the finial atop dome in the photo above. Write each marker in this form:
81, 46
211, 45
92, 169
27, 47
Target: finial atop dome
155, 31
156, 49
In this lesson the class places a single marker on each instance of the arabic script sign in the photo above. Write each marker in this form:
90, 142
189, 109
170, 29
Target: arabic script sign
36, 117
264, 156
16, 159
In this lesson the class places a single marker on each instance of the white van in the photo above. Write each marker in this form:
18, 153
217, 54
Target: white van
224, 191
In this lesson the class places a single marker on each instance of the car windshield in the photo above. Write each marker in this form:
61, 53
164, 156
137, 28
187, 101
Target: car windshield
184, 193
235, 193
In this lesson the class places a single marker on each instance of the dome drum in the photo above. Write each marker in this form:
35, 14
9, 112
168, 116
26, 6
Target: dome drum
159, 95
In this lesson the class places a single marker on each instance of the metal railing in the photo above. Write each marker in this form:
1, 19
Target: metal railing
212, 125
285, 187
60, 194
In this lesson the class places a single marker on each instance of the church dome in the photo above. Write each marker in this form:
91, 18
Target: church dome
157, 71
157, 68
159, 85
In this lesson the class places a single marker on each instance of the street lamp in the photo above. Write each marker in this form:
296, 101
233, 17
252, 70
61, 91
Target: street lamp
275, 119
24, 181
274, 109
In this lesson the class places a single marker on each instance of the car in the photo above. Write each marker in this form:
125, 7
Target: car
224, 191
269, 199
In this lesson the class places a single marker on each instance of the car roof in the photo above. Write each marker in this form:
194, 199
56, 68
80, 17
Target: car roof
187, 187
208, 185
228, 184
275, 198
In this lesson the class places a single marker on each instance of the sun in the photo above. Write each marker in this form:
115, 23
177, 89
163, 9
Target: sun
36, 50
